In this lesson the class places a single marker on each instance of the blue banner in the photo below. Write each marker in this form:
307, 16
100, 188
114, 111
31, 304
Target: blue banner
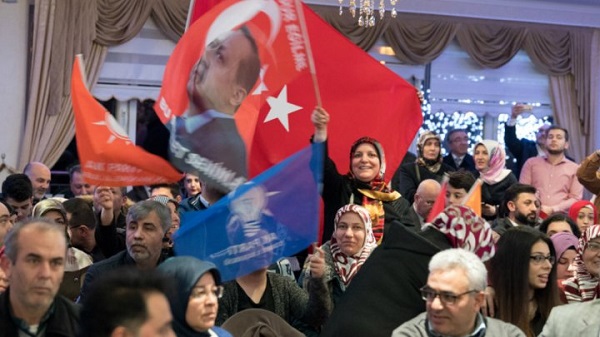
273, 216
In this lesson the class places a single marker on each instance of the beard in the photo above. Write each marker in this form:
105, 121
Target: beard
530, 220
555, 152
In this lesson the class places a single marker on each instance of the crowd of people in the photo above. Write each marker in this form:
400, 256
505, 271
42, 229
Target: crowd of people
100, 260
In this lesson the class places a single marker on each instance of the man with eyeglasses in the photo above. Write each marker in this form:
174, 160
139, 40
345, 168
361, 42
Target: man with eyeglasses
457, 142
425, 196
454, 294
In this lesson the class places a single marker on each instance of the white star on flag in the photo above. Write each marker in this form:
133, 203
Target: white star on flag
261, 85
281, 108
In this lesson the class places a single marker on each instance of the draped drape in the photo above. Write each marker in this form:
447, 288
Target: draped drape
64, 28
561, 52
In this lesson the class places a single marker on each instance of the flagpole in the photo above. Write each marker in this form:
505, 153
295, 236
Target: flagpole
311, 62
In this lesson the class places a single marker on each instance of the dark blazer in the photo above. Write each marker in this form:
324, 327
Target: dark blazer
385, 292
215, 150
521, 149
494, 194
62, 322
411, 175
467, 163
116, 261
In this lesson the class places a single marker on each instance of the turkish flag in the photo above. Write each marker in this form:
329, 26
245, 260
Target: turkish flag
302, 58
107, 155
440, 202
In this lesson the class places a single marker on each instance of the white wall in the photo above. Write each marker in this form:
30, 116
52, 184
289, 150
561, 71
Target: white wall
13, 77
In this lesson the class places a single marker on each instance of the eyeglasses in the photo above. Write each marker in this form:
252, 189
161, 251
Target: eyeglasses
593, 247
201, 293
539, 259
446, 297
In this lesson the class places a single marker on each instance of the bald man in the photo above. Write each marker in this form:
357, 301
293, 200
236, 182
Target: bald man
39, 174
425, 196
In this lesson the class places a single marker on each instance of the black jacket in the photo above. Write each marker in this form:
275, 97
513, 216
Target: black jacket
63, 321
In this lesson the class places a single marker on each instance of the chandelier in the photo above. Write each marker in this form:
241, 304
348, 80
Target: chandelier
366, 10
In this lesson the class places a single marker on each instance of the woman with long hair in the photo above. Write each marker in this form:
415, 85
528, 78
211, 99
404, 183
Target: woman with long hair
490, 161
363, 185
523, 274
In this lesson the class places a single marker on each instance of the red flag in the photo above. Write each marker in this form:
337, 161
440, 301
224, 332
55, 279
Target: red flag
107, 155
363, 97
440, 202
473, 198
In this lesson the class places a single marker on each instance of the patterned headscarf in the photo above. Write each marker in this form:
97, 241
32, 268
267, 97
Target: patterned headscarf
375, 191
496, 170
464, 229
583, 286
347, 266
431, 165
578, 205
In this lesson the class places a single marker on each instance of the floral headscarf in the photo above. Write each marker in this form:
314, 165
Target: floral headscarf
496, 170
347, 266
431, 165
464, 229
376, 191
583, 286
578, 205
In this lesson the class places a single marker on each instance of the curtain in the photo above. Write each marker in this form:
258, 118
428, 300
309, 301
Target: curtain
63, 29
555, 50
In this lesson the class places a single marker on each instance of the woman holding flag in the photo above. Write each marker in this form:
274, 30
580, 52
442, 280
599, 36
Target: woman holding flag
490, 160
363, 185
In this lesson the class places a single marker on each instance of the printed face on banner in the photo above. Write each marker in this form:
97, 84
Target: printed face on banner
232, 56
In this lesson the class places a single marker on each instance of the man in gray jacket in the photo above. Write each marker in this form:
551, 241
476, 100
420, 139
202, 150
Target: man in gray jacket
454, 294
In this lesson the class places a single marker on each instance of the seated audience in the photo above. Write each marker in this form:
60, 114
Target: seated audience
524, 279
459, 184
34, 262
588, 177
340, 259
454, 295
520, 207
127, 302
18, 193
559, 222
77, 261
565, 244
583, 286
195, 300
428, 165
490, 162
584, 214
385, 293
147, 223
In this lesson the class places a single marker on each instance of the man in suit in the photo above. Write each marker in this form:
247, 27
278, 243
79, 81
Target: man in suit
577, 319
207, 139
520, 207
457, 142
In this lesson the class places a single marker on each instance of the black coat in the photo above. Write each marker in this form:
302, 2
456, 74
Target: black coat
385, 292
521, 149
411, 175
63, 322
468, 163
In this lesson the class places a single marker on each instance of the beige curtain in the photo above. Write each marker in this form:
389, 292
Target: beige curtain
564, 102
64, 28
556, 50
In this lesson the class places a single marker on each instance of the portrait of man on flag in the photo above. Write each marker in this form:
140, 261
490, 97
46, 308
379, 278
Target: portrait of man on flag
205, 139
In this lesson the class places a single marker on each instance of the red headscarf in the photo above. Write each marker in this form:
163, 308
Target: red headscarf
577, 206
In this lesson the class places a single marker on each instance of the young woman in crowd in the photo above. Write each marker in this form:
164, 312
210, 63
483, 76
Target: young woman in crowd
77, 261
524, 279
584, 213
337, 261
583, 286
428, 165
559, 222
363, 185
565, 244
490, 161
195, 301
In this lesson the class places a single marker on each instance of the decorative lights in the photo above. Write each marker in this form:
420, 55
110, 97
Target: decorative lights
366, 10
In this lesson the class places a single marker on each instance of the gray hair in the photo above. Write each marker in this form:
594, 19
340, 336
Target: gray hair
143, 208
458, 258
11, 241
